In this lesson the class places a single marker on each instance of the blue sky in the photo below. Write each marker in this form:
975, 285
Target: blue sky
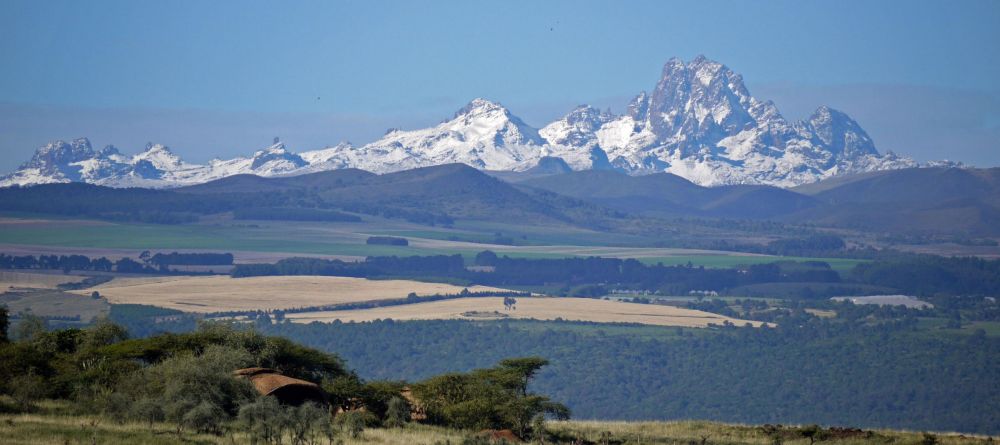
221, 78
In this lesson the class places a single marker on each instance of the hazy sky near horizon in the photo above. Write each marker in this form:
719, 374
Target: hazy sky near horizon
221, 78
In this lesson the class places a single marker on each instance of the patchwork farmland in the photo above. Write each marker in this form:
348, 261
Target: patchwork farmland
539, 308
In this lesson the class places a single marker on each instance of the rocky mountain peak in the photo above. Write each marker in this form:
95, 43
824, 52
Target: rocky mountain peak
108, 151
160, 157
588, 118
54, 156
277, 157
154, 148
840, 134
638, 107
479, 107
697, 104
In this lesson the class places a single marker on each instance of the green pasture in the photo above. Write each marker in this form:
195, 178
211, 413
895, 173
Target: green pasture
343, 239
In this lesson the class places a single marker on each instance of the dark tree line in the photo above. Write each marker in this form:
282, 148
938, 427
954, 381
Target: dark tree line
391, 266
595, 276
158, 263
57, 262
631, 273
570, 272
178, 259
815, 245
926, 275
387, 241
293, 214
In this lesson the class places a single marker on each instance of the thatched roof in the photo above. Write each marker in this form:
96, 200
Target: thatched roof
246, 372
270, 382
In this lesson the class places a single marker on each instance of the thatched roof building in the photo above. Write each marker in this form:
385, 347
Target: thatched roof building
287, 390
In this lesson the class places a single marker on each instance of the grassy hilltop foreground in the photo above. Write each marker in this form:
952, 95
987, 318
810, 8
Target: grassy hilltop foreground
54, 428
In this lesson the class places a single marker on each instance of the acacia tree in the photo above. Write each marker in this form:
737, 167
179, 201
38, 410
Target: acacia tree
494, 398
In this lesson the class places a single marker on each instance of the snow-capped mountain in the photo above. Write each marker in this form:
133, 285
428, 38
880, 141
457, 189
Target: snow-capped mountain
482, 134
574, 138
156, 166
699, 122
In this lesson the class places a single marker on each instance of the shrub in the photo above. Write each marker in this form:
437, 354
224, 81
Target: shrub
309, 422
27, 389
397, 414
353, 423
263, 420
205, 417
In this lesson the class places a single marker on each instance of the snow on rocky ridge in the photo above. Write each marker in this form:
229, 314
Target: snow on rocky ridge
699, 122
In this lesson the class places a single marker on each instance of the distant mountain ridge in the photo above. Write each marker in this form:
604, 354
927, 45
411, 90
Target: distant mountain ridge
668, 195
935, 201
699, 122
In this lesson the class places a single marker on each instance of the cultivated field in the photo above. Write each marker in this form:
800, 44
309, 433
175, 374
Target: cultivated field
539, 308
10, 280
222, 293
54, 303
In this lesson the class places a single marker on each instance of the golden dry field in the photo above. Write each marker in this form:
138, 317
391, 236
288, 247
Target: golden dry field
539, 308
223, 293
54, 303
34, 280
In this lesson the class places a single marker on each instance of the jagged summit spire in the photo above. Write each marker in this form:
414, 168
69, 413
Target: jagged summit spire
479, 106
153, 147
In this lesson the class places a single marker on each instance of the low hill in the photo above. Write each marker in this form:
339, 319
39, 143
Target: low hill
931, 201
919, 200
252, 183
447, 191
664, 194
430, 195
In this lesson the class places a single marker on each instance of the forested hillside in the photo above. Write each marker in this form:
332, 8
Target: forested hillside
890, 375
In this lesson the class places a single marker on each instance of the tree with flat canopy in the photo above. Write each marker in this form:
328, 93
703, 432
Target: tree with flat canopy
493, 398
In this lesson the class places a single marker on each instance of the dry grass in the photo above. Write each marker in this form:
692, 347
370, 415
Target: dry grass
222, 293
54, 303
34, 280
822, 313
539, 308
684, 432
35, 429
31, 429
